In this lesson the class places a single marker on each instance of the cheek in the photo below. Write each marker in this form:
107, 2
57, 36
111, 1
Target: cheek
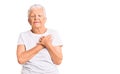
44, 20
30, 21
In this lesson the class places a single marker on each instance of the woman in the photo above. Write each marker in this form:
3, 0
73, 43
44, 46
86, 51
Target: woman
39, 50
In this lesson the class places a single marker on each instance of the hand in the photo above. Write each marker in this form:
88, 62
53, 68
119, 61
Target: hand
45, 40
39, 44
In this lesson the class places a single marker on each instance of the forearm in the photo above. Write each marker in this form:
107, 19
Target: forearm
55, 54
27, 55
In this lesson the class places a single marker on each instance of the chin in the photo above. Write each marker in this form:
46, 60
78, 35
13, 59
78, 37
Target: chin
37, 25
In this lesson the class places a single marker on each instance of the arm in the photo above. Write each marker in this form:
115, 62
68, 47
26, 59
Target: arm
23, 56
54, 51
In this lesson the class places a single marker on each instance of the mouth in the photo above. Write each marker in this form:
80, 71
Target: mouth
36, 22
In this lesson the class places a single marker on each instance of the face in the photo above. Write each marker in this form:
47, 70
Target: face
37, 18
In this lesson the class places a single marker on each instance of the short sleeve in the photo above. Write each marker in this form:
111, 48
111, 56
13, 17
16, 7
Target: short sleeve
20, 40
56, 39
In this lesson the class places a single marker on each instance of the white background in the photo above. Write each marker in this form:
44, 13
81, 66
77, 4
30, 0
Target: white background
90, 30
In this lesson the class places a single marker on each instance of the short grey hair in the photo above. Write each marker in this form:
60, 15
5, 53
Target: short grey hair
36, 6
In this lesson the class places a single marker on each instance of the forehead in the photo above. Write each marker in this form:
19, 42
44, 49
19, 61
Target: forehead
36, 10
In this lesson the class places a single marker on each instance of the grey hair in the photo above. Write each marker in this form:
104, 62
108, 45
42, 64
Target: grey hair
36, 6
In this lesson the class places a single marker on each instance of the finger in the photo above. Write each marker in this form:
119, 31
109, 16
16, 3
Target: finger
42, 37
40, 40
49, 36
38, 43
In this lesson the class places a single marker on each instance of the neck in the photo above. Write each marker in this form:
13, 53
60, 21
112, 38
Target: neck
39, 30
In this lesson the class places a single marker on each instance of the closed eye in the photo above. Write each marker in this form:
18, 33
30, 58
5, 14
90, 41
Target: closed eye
32, 16
39, 15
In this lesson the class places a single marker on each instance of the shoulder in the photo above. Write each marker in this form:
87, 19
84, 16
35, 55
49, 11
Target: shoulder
25, 33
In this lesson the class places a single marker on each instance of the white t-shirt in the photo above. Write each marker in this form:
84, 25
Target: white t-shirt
41, 63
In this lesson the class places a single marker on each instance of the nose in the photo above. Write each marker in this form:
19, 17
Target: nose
36, 17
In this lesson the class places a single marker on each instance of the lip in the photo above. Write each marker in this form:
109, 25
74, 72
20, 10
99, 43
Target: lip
35, 22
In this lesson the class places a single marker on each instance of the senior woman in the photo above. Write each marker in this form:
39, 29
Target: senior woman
39, 50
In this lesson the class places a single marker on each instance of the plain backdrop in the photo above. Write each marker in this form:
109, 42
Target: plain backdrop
90, 30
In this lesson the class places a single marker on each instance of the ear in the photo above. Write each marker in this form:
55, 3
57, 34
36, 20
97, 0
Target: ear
45, 18
29, 21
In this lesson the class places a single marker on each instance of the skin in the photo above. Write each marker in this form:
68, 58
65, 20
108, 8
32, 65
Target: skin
37, 20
